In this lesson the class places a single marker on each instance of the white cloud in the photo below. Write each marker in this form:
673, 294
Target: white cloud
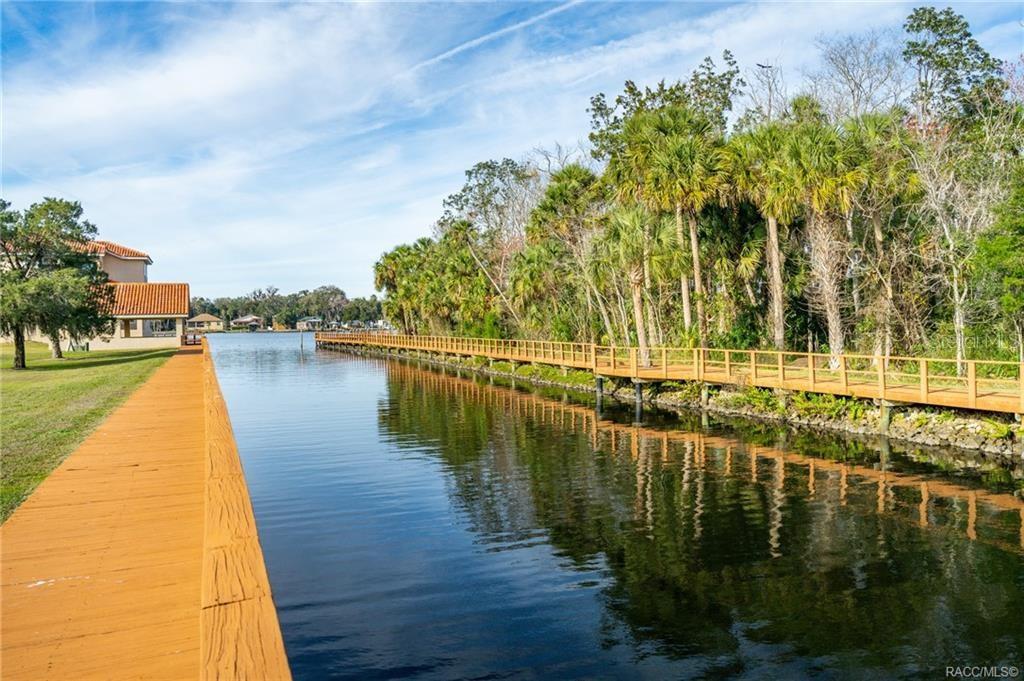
292, 145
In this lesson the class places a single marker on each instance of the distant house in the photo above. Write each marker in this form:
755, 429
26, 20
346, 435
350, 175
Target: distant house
204, 323
249, 321
146, 314
309, 324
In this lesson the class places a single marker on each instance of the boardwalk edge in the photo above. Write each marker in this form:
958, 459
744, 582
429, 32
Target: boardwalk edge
240, 637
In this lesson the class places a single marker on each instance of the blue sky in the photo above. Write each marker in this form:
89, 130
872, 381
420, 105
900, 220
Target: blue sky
244, 145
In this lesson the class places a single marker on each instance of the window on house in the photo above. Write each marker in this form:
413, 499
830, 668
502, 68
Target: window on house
161, 327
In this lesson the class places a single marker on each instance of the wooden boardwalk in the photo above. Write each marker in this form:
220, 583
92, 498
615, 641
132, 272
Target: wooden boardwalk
105, 567
982, 385
933, 494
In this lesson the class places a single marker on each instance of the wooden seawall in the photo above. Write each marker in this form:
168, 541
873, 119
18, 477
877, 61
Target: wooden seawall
240, 636
976, 384
137, 557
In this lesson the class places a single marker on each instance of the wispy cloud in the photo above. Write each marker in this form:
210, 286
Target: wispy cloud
494, 35
244, 145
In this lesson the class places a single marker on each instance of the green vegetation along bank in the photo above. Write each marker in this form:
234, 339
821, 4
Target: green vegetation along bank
998, 439
49, 408
877, 210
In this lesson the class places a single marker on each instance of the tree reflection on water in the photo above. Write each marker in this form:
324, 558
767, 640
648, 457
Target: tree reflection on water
716, 542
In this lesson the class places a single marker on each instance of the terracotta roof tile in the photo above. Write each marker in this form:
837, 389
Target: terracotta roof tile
132, 299
100, 247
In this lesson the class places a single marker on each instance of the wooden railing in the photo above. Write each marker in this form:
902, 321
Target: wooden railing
643, 439
983, 385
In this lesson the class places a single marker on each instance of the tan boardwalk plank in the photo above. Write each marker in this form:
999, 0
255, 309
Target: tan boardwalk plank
102, 566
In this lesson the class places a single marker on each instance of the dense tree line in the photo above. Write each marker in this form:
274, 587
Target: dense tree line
880, 210
326, 302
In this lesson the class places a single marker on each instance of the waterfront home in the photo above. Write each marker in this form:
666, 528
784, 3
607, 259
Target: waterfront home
121, 263
204, 323
309, 324
146, 314
249, 321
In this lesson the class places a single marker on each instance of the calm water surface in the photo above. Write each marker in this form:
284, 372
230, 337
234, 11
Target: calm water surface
417, 524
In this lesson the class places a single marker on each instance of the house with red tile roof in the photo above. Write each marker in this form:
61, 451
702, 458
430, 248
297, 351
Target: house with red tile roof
120, 262
146, 314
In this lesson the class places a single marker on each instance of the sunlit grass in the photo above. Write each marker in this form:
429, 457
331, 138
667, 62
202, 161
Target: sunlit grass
49, 408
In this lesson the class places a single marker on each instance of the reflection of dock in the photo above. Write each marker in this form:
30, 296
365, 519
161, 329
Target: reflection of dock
975, 384
695, 445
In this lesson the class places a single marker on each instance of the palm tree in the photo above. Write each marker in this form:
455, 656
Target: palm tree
687, 174
819, 163
627, 177
569, 211
757, 173
626, 241
878, 142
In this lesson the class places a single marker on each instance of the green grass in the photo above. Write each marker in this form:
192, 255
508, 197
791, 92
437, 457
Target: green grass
49, 408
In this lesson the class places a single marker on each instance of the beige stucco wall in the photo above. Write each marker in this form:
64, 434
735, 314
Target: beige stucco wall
114, 342
118, 342
123, 270
136, 340
135, 343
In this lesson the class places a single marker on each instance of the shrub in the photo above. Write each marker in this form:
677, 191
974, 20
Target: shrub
757, 399
997, 430
828, 406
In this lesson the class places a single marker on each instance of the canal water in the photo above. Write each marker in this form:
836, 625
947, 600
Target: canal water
419, 524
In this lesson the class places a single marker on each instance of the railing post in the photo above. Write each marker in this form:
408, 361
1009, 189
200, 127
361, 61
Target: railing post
632, 362
753, 366
593, 357
700, 364
664, 362
728, 365
972, 384
810, 370
781, 368
922, 370
881, 378
1020, 379
844, 381
696, 371
613, 357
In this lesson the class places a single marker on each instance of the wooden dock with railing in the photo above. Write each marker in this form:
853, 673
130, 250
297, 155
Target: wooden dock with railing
972, 384
1002, 509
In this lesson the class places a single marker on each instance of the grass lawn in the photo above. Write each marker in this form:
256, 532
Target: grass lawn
49, 408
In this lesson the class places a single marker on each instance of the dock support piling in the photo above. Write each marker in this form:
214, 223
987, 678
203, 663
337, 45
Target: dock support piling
885, 417
638, 393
